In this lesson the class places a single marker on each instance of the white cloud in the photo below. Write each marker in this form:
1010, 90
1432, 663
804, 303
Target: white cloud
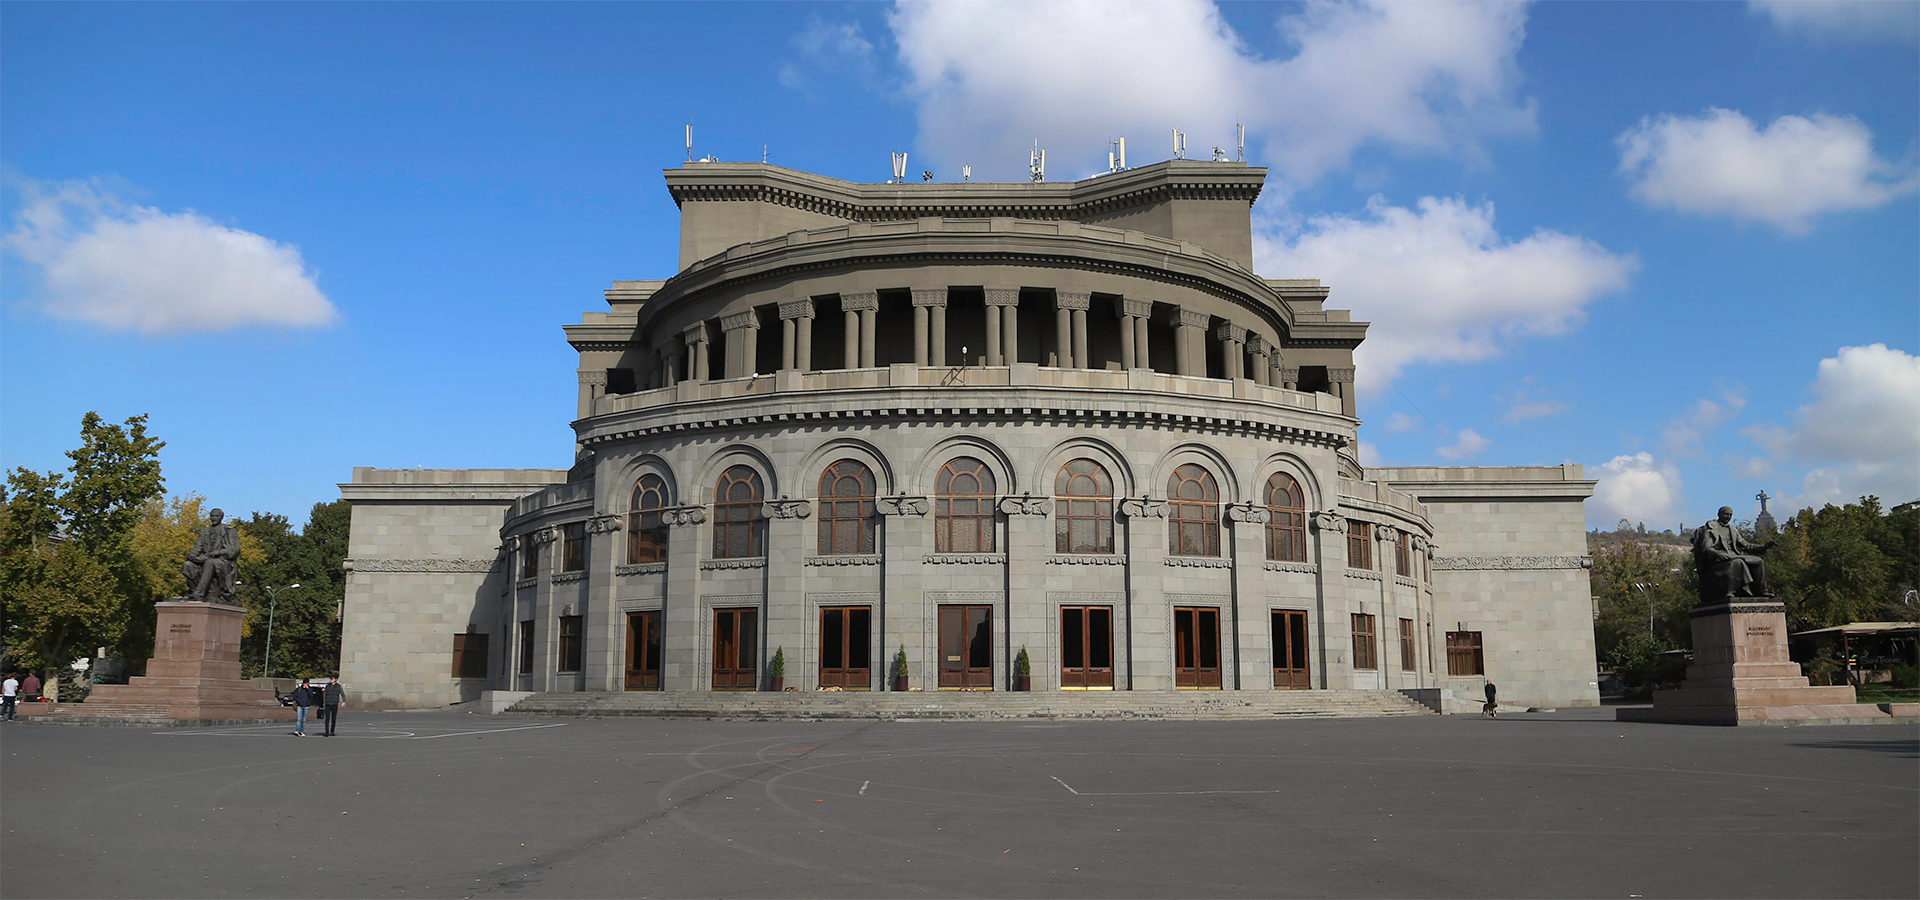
827, 49
1856, 19
1529, 403
992, 77
1797, 168
1637, 488
124, 267
1684, 436
1401, 422
1861, 432
1369, 454
1439, 283
1466, 446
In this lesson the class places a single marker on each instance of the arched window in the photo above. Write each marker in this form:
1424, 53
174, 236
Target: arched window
1286, 519
646, 530
1193, 523
736, 514
1083, 509
963, 507
847, 518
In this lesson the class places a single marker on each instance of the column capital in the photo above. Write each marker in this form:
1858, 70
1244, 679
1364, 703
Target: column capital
684, 515
902, 505
1339, 376
784, 508
1131, 307
1190, 318
1072, 300
1230, 332
1330, 522
1290, 374
797, 309
930, 297
1026, 505
856, 301
1143, 507
593, 376
1247, 512
739, 320
1256, 344
1003, 296
695, 333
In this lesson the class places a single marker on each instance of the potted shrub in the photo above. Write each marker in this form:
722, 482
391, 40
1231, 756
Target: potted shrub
777, 670
900, 670
1022, 672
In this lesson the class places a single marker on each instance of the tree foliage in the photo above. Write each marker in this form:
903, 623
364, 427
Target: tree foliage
1841, 564
305, 619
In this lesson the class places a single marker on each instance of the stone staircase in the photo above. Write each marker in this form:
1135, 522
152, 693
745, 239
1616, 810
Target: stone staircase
972, 705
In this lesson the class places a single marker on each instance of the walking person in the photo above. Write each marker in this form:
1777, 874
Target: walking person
330, 701
30, 688
302, 701
1492, 704
9, 695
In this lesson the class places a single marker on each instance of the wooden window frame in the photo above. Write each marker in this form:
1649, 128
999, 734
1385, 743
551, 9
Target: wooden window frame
529, 556
974, 509
573, 637
646, 524
1193, 523
1466, 654
1403, 554
1409, 647
573, 547
739, 514
1076, 514
1359, 545
1286, 519
469, 660
525, 666
849, 522
1366, 643
1284, 626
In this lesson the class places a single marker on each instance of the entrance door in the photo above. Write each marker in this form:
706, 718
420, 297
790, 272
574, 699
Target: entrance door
1290, 650
1086, 648
1196, 647
643, 651
846, 647
736, 635
966, 648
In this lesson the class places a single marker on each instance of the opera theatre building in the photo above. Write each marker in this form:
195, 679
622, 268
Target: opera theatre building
961, 421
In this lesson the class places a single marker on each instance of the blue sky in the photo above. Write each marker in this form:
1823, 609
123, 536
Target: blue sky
1673, 242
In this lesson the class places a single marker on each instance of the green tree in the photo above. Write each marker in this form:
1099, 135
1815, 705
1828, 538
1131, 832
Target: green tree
116, 471
305, 619
1627, 578
1842, 564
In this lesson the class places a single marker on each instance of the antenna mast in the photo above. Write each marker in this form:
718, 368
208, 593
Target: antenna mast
1179, 144
1037, 163
899, 167
1241, 130
689, 143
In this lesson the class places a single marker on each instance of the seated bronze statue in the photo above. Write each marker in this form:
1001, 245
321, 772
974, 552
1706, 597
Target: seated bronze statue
1730, 567
210, 567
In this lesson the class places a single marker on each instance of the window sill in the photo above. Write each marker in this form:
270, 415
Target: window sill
744, 562
847, 559
1086, 559
640, 568
566, 577
1274, 565
984, 559
1202, 562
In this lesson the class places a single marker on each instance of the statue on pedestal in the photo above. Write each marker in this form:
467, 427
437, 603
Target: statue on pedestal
210, 567
1730, 566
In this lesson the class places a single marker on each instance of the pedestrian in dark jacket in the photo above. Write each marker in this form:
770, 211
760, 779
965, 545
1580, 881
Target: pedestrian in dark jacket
302, 701
1492, 704
331, 700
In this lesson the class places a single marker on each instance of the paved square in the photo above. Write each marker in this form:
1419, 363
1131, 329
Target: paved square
457, 805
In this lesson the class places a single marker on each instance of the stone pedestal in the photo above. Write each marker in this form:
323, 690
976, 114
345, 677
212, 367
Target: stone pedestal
1742, 675
192, 679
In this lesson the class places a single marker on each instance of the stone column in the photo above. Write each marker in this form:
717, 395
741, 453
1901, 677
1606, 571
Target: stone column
1076, 304
850, 338
796, 334
547, 624
1332, 627
1029, 541
680, 661
742, 330
1141, 323
604, 662
1126, 332
1144, 628
865, 303
1233, 351
1252, 636
593, 384
1257, 349
1133, 333
1342, 381
696, 338
1190, 328
1003, 342
1276, 372
930, 326
904, 534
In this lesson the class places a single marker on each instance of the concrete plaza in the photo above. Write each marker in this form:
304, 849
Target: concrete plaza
450, 804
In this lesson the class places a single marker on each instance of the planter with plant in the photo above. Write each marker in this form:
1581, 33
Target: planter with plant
1022, 672
777, 670
900, 670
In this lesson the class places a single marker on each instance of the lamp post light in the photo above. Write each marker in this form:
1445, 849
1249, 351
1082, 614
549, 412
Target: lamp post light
1642, 587
266, 663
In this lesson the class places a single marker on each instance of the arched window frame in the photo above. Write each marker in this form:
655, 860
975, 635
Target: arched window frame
1193, 512
963, 521
739, 530
849, 522
1083, 508
646, 526
1286, 519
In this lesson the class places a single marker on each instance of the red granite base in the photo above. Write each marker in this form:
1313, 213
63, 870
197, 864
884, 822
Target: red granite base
193, 677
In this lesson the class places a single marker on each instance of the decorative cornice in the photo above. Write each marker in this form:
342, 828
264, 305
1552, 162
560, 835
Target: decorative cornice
979, 559
568, 577
929, 297
1143, 508
1278, 566
1026, 505
1471, 563
1248, 512
749, 562
739, 320
1190, 318
525, 583
640, 568
1002, 296
848, 559
1340, 376
902, 505
436, 565
1086, 559
858, 301
1131, 307
1367, 574
797, 309
604, 524
1230, 332
684, 515
784, 508
1404, 581
1199, 562
593, 376
1080, 300
1738, 608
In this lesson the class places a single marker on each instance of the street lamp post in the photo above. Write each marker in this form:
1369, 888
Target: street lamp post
1642, 587
266, 664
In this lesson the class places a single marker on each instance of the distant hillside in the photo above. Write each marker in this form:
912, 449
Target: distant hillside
1598, 540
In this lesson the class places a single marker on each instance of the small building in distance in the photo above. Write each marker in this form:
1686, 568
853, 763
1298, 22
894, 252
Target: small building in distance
960, 421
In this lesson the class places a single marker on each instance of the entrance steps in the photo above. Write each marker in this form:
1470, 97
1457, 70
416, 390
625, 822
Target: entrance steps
972, 705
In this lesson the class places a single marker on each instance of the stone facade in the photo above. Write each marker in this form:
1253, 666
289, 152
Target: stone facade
959, 421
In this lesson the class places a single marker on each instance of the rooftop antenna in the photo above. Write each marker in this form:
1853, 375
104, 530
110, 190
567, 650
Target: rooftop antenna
1179, 144
689, 143
926, 175
899, 167
763, 153
1117, 155
1037, 163
1241, 131
1219, 155
966, 173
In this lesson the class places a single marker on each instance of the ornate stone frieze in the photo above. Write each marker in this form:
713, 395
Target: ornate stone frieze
1230, 332
695, 333
981, 559
1086, 559
902, 505
784, 508
1144, 508
1184, 599
1256, 344
930, 296
1404, 581
593, 376
640, 568
1364, 574
1290, 374
1003, 296
684, 515
1248, 512
1468, 563
604, 524
525, 583
750, 562
847, 559
1277, 566
1026, 505
1199, 562
797, 309
1330, 522
435, 565
569, 577
1072, 299
1340, 376
854, 301
1191, 318
1131, 307
739, 320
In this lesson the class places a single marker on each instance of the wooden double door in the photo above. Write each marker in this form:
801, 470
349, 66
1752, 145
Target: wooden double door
643, 651
846, 647
1086, 648
966, 648
1290, 650
736, 649
1196, 647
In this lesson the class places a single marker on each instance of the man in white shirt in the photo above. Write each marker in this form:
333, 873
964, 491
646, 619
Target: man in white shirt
9, 695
